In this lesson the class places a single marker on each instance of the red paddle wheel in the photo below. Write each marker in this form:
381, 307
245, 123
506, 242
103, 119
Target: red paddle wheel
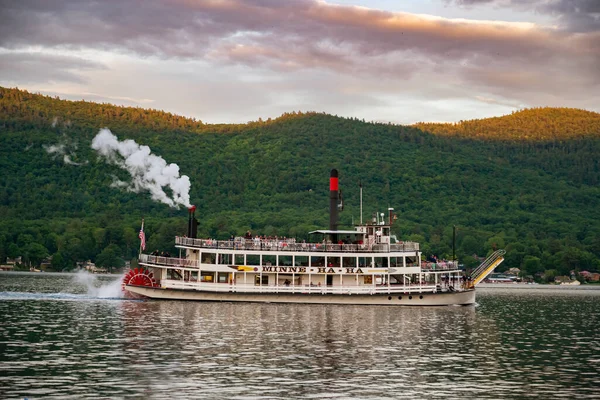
139, 277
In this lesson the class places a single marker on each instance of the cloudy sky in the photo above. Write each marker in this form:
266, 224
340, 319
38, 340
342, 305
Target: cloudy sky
235, 61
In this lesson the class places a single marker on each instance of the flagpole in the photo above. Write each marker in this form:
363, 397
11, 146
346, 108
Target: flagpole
142, 234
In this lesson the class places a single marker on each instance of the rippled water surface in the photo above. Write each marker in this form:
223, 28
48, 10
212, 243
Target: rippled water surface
67, 336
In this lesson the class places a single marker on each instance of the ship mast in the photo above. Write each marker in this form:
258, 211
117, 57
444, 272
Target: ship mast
360, 185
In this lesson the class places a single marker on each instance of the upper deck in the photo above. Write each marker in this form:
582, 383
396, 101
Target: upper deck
291, 245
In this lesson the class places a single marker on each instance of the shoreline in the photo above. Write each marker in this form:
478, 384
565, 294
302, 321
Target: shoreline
485, 286
74, 272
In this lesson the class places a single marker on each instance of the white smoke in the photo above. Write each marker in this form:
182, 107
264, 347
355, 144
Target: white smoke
61, 149
148, 172
67, 160
55, 149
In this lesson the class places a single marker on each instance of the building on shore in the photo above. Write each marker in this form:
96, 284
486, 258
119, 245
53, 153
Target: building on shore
10, 265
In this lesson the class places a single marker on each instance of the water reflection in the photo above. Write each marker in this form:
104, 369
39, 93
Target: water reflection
510, 345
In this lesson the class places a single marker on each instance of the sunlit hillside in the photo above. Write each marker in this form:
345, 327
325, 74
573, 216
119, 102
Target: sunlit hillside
529, 124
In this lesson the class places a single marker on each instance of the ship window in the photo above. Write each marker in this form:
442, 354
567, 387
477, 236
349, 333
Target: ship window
333, 262
239, 259
349, 262
386, 231
269, 259
381, 262
317, 261
206, 276
395, 262
301, 261
285, 261
257, 280
364, 262
368, 280
209, 258
223, 277
253, 259
225, 259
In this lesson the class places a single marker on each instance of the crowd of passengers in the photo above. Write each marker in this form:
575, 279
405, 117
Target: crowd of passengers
264, 239
268, 242
282, 241
433, 262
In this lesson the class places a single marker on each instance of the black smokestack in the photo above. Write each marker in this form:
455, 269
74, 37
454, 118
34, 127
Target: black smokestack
192, 223
333, 203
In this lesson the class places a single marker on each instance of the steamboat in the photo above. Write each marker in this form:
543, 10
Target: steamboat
365, 265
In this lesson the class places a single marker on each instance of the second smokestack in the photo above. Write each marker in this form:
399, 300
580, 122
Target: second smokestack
333, 203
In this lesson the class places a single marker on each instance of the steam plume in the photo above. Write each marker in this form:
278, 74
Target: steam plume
148, 172
61, 150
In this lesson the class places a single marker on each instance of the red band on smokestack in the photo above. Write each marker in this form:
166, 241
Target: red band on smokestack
333, 180
333, 183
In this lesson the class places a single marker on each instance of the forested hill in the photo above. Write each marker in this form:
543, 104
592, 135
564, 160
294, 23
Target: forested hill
538, 198
530, 124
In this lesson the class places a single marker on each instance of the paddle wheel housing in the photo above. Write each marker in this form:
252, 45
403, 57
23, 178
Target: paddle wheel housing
139, 277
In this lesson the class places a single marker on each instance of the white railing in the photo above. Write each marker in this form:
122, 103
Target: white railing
405, 246
168, 261
292, 245
439, 266
304, 289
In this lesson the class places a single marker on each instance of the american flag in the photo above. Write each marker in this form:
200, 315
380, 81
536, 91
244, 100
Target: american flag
142, 237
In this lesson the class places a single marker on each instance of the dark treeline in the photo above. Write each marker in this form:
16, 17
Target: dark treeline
532, 191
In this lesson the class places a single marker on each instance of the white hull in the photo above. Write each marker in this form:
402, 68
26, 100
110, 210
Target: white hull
414, 299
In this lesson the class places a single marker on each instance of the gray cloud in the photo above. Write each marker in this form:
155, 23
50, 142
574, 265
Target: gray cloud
515, 63
36, 67
314, 33
572, 15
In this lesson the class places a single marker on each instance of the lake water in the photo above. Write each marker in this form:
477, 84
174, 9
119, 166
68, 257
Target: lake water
68, 336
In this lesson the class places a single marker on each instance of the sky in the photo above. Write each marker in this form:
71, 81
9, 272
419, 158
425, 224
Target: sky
233, 61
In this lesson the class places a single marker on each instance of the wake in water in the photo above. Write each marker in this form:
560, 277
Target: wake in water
97, 289
80, 286
49, 296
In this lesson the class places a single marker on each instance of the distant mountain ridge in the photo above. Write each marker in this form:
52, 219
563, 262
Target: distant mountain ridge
543, 123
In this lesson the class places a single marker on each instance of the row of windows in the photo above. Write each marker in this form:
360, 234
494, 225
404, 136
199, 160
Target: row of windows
303, 261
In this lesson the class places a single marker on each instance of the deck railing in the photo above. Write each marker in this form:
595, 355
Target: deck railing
291, 245
169, 261
250, 288
439, 266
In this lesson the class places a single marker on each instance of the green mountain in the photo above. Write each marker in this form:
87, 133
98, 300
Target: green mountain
527, 182
535, 124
